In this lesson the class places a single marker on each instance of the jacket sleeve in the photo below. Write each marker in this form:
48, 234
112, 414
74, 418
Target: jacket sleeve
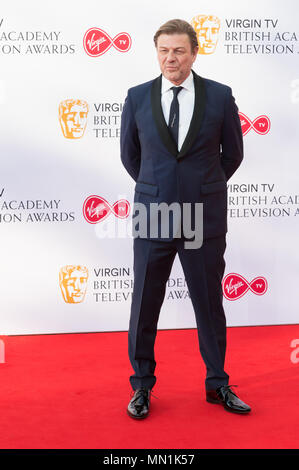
130, 152
231, 138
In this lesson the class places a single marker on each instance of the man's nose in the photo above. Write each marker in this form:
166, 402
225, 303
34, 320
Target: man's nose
170, 57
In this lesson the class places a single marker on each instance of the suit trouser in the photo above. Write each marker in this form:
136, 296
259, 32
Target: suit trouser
203, 269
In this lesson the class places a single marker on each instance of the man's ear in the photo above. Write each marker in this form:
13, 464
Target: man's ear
195, 52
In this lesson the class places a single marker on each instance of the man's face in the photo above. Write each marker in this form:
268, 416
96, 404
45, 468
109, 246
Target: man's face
175, 56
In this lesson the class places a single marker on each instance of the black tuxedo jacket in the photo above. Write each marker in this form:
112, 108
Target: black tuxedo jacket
210, 154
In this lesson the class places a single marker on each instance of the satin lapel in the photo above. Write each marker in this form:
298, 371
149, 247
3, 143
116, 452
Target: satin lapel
159, 117
198, 114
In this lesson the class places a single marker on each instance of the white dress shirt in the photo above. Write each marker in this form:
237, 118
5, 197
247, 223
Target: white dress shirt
186, 102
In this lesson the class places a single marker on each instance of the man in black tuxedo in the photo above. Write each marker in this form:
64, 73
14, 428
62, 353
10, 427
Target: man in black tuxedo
181, 141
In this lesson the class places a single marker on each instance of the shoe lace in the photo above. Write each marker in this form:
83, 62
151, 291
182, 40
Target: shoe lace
227, 388
143, 391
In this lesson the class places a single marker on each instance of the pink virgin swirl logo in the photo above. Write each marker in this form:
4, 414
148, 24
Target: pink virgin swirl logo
235, 286
96, 209
261, 124
96, 42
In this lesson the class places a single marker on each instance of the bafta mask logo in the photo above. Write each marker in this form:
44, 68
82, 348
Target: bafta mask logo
207, 30
73, 283
73, 118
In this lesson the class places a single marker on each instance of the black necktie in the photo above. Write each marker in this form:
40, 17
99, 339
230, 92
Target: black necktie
174, 114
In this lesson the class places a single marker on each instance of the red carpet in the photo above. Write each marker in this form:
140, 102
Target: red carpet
71, 391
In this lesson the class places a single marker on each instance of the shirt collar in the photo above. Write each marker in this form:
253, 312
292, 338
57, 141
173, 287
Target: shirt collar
188, 84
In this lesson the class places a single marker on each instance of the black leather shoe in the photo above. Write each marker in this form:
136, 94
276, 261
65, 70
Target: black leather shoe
226, 397
138, 407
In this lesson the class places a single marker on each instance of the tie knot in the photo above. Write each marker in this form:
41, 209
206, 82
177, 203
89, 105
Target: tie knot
176, 90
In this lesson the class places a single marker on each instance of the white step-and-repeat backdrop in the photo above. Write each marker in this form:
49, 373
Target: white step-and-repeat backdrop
65, 70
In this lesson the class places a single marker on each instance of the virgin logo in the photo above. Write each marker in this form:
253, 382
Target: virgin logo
261, 124
235, 286
96, 209
96, 42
